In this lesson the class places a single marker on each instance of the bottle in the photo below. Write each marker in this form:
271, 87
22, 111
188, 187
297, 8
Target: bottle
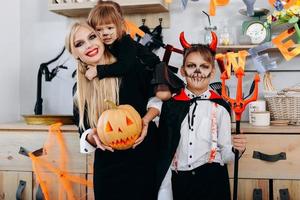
225, 38
207, 34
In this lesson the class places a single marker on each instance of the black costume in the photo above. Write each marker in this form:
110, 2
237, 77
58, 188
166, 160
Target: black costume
127, 174
172, 114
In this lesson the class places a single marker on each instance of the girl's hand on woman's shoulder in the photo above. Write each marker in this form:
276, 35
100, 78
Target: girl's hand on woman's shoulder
91, 72
94, 138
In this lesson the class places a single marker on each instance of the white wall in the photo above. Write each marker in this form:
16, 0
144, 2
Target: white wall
42, 38
43, 33
10, 61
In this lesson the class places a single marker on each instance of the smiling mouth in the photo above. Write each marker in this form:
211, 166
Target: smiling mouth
92, 52
107, 39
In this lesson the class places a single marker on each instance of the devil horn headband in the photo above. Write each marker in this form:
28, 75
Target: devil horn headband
212, 46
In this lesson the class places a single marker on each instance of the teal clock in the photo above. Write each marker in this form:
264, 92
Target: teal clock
255, 28
257, 32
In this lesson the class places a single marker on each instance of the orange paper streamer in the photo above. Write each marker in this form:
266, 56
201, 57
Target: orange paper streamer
231, 62
284, 47
214, 3
288, 3
43, 164
133, 29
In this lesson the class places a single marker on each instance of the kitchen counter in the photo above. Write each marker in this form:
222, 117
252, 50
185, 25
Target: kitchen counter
250, 129
245, 127
14, 126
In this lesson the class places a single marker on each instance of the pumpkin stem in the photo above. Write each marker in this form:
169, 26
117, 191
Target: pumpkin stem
112, 104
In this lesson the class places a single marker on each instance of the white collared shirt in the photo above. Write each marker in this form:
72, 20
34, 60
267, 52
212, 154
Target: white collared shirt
196, 140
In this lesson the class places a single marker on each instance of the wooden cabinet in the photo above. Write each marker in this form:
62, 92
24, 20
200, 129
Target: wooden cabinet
254, 174
247, 187
9, 182
272, 155
15, 167
134, 10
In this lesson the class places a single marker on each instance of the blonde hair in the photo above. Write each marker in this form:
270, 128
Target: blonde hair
107, 12
90, 95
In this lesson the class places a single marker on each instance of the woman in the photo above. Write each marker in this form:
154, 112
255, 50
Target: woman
127, 174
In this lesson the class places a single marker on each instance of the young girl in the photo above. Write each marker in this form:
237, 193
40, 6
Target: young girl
195, 134
127, 174
106, 18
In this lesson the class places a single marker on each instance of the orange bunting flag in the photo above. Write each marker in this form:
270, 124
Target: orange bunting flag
231, 61
214, 3
286, 3
168, 1
133, 29
284, 47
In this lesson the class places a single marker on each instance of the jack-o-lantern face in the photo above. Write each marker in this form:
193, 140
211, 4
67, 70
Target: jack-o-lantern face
119, 127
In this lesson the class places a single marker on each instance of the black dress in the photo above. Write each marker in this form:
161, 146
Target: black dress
127, 174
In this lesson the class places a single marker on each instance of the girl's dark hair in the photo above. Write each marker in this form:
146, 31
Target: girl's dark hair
204, 50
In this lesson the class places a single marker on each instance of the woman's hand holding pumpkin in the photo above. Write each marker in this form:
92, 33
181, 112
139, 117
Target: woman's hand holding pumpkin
93, 138
145, 124
150, 115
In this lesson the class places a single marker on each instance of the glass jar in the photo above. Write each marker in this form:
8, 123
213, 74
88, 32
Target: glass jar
207, 34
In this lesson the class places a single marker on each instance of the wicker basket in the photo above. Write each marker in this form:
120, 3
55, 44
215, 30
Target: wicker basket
284, 106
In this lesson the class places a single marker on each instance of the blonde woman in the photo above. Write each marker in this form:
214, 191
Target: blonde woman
127, 174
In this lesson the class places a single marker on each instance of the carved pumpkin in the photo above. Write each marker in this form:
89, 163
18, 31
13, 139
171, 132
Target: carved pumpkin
119, 127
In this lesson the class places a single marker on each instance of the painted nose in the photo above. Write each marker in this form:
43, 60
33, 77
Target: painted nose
105, 32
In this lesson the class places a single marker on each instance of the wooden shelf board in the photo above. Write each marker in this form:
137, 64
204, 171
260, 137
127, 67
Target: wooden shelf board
129, 7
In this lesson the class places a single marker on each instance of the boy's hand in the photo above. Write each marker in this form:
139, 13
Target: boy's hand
145, 124
91, 72
239, 142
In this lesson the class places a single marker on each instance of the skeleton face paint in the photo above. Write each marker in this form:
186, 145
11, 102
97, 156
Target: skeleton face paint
197, 71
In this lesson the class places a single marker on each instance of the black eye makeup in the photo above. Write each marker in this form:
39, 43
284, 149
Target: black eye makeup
193, 65
78, 44
92, 36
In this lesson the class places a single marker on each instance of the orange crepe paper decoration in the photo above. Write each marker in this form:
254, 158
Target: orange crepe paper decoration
133, 29
214, 3
284, 47
43, 165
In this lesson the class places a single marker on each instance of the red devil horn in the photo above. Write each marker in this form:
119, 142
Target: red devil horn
183, 42
214, 42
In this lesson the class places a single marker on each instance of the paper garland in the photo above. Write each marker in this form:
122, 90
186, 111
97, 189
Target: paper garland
262, 62
214, 3
285, 46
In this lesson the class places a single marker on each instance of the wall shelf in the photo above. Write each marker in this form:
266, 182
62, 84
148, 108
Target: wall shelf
223, 49
134, 10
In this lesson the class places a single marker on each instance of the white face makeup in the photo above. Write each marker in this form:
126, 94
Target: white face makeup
197, 72
88, 46
108, 33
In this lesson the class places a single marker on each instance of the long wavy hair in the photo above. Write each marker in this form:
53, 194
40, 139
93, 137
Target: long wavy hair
90, 95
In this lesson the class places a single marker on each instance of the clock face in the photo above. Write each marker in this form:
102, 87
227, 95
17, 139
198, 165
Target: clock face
257, 33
